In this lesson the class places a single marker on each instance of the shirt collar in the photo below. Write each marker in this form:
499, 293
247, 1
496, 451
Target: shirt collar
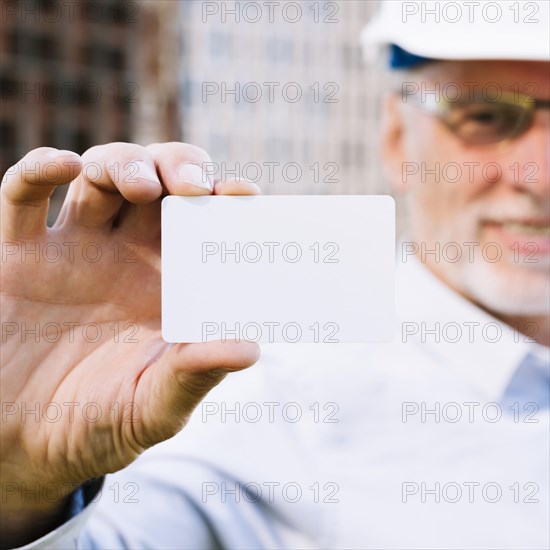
488, 366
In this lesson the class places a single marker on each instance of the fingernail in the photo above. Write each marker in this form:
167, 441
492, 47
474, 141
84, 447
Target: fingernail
195, 175
146, 171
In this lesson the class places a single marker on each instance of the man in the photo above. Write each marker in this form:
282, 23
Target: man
430, 441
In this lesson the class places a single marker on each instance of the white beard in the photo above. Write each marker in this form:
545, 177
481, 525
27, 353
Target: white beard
512, 290
507, 287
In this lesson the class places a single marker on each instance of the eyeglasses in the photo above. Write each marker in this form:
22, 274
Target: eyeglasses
482, 121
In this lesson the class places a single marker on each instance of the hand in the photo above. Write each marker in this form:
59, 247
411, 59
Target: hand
94, 384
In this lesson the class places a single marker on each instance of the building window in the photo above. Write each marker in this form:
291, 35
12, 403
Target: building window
219, 44
8, 135
81, 141
9, 87
345, 153
279, 51
115, 59
12, 41
278, 149
45, 47
187, 92
219, 146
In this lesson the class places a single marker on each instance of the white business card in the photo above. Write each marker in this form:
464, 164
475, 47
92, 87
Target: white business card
308, 269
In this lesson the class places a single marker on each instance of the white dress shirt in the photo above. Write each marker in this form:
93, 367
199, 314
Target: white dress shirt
408, 444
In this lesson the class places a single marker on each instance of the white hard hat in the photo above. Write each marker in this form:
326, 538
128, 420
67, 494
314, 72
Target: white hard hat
460, 30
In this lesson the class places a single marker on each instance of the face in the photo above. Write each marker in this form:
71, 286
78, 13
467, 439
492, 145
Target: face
493, 196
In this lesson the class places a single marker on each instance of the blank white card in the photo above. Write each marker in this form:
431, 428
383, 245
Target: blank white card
308, 269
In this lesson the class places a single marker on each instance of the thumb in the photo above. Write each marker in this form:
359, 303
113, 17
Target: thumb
171, 388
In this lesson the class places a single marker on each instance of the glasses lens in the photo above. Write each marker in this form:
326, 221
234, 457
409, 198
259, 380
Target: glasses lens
487, 122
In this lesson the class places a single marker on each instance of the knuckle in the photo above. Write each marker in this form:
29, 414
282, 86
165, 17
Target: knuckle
39, 152
194, 152
92, 153
180, 150
128, 151
117, 149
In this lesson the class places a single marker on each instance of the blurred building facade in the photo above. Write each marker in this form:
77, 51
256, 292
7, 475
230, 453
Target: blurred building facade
74, 74
279, 92
275, 91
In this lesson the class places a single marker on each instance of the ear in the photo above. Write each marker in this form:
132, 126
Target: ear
392, 142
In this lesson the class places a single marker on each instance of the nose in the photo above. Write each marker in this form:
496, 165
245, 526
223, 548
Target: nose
529, 169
